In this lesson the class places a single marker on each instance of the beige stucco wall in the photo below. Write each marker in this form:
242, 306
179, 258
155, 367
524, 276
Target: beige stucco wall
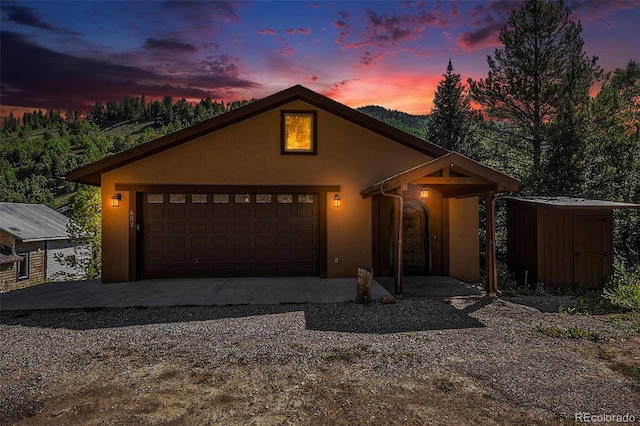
248, 153
464, 239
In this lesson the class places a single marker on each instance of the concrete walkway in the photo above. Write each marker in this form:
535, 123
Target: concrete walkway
185, 292
432, 287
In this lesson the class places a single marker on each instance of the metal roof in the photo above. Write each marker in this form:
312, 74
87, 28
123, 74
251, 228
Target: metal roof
574, 202
33, 222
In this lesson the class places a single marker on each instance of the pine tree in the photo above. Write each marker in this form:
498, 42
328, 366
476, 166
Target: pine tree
451, 118
537, 86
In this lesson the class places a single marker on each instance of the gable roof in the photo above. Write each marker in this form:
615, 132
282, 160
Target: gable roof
452, 174
91, 173
33, 222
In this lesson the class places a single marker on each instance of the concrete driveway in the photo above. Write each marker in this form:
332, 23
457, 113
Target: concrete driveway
185, 292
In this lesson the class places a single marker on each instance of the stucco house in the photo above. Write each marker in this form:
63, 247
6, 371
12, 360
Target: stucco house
294, 184
33, 240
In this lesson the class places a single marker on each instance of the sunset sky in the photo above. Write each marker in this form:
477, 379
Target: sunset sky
67, 55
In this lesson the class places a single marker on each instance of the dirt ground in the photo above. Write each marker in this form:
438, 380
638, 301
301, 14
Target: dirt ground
142, 378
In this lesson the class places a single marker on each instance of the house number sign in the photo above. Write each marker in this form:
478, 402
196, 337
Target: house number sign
132, 219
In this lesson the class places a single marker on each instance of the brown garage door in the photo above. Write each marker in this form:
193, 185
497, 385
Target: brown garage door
219, 235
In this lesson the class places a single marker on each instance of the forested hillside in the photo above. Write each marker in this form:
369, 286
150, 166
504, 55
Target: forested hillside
39, 147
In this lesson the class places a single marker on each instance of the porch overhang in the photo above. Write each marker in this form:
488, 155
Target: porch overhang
454, 175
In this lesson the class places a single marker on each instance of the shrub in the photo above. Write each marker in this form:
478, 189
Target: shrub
623, 289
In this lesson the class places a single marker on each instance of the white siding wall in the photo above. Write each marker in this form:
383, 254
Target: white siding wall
60, 271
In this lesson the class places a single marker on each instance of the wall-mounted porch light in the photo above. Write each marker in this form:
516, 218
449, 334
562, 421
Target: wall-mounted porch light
424, 193
115, 199
336, 201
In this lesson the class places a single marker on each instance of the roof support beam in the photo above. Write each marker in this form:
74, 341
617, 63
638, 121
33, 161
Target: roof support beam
434, 180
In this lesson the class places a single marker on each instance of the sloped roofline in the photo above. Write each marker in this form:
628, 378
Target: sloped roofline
502, 181
91, 173
33, 222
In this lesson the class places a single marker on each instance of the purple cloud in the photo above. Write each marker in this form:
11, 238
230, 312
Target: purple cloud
268, 31
481, 38
168, 44
34, 76
25, 16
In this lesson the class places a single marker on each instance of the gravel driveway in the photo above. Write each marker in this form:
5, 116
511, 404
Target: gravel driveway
471, 361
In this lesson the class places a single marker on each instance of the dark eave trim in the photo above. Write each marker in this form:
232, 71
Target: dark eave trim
233, 189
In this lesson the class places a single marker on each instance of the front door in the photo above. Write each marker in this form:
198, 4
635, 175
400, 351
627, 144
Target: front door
415, 241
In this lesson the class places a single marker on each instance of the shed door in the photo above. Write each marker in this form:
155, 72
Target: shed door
592, 260
207, 235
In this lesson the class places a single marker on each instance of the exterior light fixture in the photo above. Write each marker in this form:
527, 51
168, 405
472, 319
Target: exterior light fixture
336, 201
424, 193
115, 199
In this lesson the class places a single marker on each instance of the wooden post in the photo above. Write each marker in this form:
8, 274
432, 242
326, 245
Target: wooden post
363, 295
491, 267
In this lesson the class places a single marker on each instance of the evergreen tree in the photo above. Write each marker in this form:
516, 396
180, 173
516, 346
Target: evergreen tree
537, 86
451, 119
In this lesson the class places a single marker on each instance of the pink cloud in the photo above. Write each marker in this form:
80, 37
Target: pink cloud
368, 57
384, 31
304, 31
287, 50
290, 31
268, 31
340, 24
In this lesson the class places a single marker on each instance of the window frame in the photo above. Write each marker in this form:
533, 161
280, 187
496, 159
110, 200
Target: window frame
25, 261
314, 132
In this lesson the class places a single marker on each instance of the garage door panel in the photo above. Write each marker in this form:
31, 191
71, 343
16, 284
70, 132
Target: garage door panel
307, 255
284, 211
222, 235
221, 211
220, 255
241, 227
284, 241
263, 255
198, 227
155, 213
264, 212
177, 212
199, 212
177, 227
264, 227
305, 211
242, 212
198, 242
177, 241
177, 256
263, 241
200, 256
221, 227
284, 227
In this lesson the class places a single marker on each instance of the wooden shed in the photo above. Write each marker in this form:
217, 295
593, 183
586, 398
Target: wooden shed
560, 241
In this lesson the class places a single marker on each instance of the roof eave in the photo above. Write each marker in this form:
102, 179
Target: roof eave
91, 173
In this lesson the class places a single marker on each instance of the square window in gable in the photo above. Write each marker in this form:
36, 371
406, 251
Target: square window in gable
299, 132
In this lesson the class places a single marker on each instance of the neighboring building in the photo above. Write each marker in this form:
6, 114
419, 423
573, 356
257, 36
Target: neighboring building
561, 241
294, 184
33, 240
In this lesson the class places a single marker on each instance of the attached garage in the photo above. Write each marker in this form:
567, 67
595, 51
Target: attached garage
230, 234
294, 184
